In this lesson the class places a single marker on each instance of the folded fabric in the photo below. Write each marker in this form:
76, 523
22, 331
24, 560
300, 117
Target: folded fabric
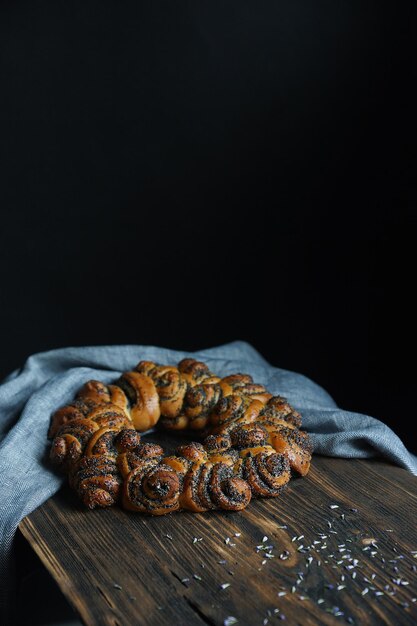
50, 379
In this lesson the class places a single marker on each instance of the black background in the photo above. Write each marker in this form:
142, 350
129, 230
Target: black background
185, 174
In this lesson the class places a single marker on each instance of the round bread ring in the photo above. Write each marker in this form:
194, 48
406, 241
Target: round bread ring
252, 440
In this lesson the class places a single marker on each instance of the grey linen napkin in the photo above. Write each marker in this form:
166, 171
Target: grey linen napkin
50, 379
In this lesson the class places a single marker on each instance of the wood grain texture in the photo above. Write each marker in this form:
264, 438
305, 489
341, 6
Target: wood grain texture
120, 568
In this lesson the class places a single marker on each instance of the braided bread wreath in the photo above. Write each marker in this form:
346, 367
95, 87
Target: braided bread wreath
252, 440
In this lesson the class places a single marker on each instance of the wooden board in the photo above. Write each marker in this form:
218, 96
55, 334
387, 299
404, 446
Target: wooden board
293, 557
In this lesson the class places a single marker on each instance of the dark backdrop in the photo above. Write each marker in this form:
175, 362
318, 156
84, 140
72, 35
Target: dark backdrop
189, 173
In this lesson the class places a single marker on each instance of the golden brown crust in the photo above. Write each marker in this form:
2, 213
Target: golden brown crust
200, 400
253, 440
266, 471
152, 488
96, 481
233, 410
170, 384
71, 441
109, 415
177, 423
194, 372
209, 485
143, 397
132, 453
62, 416
119, 399
102, 443
277, 408
94, 390
295, 445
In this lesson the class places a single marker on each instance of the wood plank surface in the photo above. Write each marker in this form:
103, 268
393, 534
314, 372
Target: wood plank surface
296, 558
